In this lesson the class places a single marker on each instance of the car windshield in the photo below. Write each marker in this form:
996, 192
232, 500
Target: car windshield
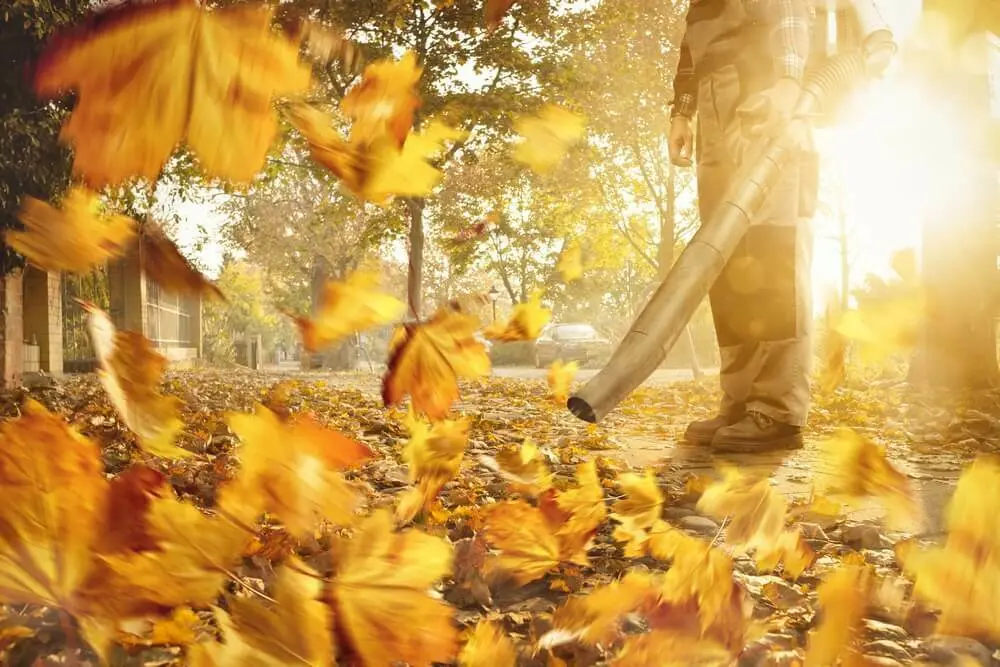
576, 332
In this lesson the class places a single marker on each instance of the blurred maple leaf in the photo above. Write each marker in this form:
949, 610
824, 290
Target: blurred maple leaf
843, 597
296, 630
488, 647
524, 467
178, 630
862, 470
434, 454
638, 512
755, 510
426, 360
74, 237
596, 618
560, 377
584, 503
526, 540
570, 264
962, 578
790, 550
525, 323
54, 501
346, 307
290, 469
384, 102
381, 589
150, 76
495, 11
546, 137
671, 649
168, 268
130, 371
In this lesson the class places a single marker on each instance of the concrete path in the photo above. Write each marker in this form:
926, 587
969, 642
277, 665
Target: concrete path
659, 377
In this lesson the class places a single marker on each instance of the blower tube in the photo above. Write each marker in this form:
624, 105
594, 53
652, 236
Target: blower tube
662, 321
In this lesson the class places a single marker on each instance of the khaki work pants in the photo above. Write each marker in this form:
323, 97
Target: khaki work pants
761, 302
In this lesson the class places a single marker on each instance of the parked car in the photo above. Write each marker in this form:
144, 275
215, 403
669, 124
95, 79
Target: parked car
571, 342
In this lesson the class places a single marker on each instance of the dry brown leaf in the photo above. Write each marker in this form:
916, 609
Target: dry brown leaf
347, 307
381, 593
426, 360
76, 237
151, 76
130, 372
495, 10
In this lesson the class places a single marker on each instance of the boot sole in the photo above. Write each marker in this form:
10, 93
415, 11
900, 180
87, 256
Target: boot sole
699, 439
787, 443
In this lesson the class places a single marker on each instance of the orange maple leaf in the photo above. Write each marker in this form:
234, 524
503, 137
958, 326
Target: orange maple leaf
426, 360
151, 76
495, 11
525, 323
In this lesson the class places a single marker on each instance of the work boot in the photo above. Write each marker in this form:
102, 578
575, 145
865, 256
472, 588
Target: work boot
757, 432
702, 432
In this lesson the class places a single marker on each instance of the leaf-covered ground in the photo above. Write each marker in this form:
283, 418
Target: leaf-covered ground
929, 441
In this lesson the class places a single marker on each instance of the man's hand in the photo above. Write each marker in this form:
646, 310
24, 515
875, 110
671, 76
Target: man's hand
681, 142
769, 111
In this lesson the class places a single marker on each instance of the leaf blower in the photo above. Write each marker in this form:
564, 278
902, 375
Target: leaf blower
864, 48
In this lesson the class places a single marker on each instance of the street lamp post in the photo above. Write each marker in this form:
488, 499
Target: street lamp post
494, 294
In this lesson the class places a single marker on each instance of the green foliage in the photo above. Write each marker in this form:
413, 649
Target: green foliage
32, 161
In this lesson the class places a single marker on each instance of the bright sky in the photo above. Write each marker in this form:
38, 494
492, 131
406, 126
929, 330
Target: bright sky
883, 158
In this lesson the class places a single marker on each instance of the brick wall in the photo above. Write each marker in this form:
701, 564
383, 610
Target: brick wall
11, 329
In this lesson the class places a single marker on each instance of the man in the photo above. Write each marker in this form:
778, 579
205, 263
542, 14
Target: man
741, 69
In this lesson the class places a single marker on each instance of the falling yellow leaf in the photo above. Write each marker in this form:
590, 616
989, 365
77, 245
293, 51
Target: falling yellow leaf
488, 647
130, 372
148, 77
789, 549
384, 102
671, 649
584, 503
756, 511
75, 237
407, 172
524, 468
595, 618
862, 471
528, 547
525, 323
347, 307
560, 377
434, 454
843, 597
638, 512
291, 470
381, 592
426, 360
547, 137
962, 578
296, 630
570, 264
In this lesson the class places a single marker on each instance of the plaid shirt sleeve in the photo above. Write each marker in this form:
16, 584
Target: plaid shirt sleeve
685, 85
790, 39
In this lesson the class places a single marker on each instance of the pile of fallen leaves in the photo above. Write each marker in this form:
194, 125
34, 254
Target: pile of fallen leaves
260, 536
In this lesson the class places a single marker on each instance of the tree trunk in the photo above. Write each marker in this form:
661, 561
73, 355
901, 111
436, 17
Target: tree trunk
415, 277
958, 346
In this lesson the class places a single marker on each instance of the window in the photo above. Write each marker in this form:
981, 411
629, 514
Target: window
168, 317
576, 332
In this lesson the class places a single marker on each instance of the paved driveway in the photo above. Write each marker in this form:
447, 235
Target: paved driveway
659, 377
